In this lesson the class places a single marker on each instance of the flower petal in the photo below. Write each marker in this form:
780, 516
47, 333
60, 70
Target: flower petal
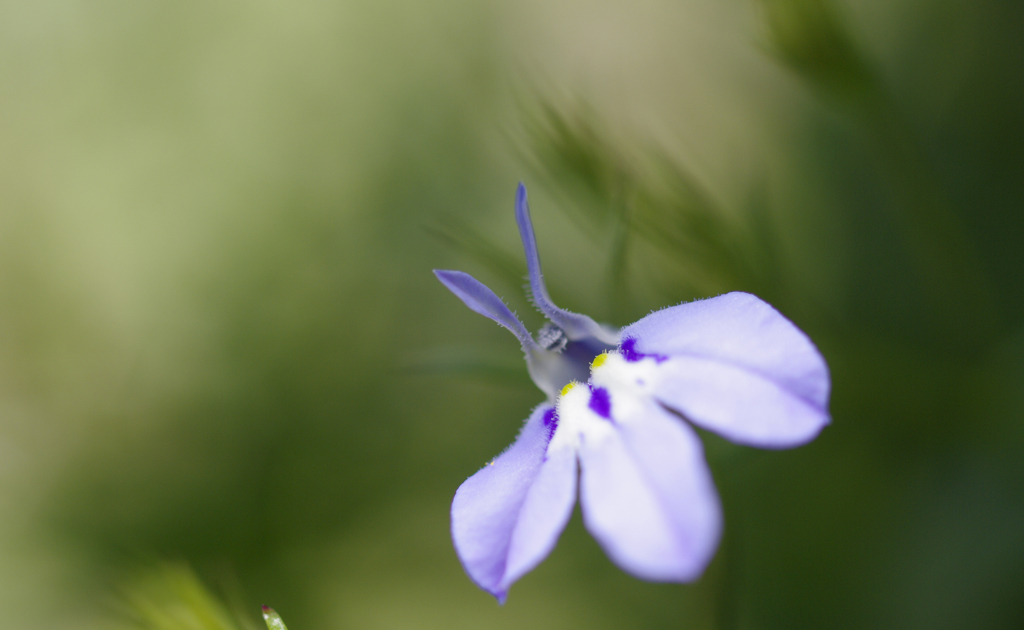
575, 325
482, 300
775, 369
741, 406
545, 512
647, 495
507, 517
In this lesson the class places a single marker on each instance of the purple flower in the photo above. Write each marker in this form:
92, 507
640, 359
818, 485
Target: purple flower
616, 402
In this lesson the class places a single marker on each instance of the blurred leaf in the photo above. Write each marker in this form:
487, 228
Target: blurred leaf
812, 38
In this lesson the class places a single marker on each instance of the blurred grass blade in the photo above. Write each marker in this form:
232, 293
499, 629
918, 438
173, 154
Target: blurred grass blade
648, 196
810, 37
510, 269
499, 366
172, 597
273, 619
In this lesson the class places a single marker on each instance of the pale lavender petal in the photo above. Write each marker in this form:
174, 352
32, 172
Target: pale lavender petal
481, 299
741, 329
738, 404
545, 512
507, 517
647, 495
574, 325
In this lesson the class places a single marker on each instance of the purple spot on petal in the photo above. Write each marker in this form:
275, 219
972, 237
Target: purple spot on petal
551, 422
630, 353
600, 403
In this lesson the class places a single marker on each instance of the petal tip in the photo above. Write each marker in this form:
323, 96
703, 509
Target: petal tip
446, 276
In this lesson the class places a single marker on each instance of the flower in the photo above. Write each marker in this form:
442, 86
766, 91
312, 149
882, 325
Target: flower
617, 400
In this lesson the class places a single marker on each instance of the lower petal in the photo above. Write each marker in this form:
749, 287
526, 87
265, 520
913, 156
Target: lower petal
507, 517
648, 497
542, 518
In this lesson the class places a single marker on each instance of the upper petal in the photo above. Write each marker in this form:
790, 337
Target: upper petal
646, 493
576, 326
741, 330
478, 297
507, 517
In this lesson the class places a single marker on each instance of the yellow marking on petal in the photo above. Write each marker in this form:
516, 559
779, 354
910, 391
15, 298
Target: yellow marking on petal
568, 386
599, 360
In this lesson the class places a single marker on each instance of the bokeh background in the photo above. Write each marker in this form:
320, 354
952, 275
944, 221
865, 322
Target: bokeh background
228, 377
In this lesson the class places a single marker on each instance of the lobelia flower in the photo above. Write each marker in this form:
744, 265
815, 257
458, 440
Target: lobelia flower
616, 404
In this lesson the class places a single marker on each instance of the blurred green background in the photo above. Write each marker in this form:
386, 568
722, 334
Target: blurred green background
225, 364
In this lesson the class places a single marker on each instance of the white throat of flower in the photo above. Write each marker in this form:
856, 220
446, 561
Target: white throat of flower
628, 385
